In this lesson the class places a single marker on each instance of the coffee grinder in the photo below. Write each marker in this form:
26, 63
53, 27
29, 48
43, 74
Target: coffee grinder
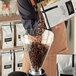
37, 48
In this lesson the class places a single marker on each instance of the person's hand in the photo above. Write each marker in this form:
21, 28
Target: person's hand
37, 29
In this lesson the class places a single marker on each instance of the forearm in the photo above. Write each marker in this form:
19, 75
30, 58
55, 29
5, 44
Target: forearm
27, 14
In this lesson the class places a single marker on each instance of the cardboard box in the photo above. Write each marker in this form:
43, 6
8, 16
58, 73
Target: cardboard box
6, 63
19, 59
19, 30
7, 36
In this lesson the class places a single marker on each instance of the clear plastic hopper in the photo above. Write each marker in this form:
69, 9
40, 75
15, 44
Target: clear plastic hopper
37, 48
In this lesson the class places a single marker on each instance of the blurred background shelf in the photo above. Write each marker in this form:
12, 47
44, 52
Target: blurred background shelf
12, 18
14, 48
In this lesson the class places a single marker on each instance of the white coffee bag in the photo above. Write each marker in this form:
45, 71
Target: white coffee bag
6, 63
66, 65
18, 59
19, 31
7, 36
58, 12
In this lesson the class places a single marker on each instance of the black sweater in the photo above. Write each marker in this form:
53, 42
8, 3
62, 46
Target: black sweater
27, 14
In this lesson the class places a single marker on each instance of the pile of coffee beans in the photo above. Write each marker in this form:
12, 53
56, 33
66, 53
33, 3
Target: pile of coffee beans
37, 54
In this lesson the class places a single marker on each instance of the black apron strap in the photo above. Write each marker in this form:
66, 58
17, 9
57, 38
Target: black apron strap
73, 60
46, 17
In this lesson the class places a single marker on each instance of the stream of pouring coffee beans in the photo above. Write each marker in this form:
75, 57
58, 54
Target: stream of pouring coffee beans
38, 50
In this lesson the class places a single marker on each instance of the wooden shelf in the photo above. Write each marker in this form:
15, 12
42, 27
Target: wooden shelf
12, 18
15, 48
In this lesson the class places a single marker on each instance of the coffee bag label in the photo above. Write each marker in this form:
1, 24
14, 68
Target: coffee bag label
8, 39
7, 66
19, 65
70, 7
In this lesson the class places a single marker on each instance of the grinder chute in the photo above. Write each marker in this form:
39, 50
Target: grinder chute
37, 48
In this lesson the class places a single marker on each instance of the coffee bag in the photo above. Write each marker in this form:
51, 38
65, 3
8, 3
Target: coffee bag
6, 63
18, 59
66, 65
19, 29
7, 36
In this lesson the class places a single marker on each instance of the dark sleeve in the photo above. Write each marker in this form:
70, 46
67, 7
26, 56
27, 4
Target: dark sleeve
27, 14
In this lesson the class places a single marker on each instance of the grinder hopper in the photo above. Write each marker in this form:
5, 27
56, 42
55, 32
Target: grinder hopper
37, 48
